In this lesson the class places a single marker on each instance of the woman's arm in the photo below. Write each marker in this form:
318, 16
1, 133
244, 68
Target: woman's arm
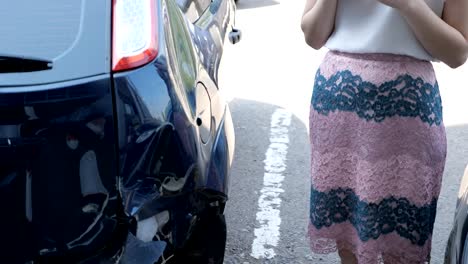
446, 39
318, 21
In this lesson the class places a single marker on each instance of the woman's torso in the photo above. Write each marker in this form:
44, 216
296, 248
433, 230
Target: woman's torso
367, 26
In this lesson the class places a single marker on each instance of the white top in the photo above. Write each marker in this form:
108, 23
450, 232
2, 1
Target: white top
367, 26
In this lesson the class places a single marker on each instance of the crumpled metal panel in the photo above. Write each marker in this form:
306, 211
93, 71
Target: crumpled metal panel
139, 252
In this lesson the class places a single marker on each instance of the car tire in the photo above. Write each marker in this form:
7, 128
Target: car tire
207, 241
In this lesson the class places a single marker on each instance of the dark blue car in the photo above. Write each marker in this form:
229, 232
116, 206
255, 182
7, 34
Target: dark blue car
115, 143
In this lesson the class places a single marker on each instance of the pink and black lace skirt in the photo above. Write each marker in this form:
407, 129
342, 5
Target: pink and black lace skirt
378, 152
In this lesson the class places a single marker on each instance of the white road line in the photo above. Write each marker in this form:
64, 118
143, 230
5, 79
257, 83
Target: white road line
268, 217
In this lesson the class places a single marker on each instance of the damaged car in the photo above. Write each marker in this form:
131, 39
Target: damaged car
115, 141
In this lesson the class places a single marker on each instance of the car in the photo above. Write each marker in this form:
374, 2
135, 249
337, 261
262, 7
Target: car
457, 246
115, 140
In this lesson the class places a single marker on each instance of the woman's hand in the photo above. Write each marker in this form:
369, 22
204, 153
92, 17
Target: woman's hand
444, 38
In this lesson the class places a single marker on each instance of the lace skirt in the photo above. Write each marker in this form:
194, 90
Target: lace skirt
378, 151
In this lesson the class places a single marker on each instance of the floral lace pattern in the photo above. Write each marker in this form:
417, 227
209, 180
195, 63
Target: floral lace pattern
374, 141
378, 149
405, 96
388, 249
375, 181
372, 220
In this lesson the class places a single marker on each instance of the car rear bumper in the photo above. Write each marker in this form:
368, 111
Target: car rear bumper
57, 170
79, 160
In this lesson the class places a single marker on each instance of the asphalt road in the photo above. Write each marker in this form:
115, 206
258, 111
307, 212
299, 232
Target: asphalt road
268, 78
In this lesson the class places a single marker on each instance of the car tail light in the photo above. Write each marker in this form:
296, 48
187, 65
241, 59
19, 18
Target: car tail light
135, 36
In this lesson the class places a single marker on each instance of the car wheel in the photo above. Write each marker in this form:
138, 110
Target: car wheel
207, 241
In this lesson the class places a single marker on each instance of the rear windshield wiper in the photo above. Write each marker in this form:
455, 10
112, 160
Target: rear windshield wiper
10, 64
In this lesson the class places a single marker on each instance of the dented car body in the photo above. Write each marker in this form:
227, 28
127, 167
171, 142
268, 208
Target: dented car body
101, 163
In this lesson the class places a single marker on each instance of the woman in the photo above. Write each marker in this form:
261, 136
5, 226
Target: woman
377, 135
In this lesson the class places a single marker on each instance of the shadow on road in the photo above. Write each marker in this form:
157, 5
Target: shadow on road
248, 4
252, 121
457, 159
457, 152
